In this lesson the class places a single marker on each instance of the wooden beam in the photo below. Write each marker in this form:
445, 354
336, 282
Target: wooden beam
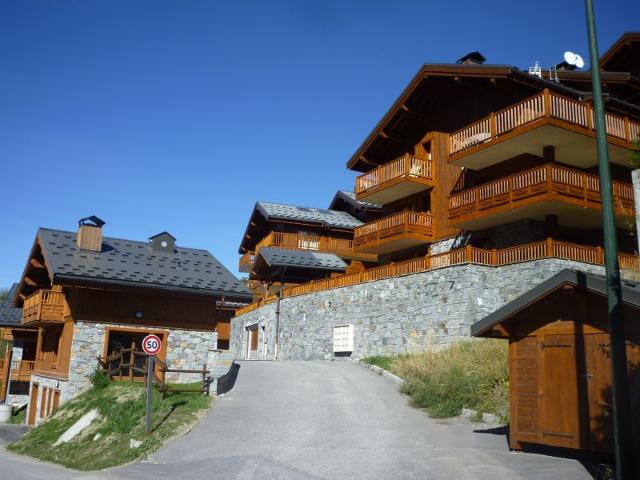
36, 264
413, 113
391, 136
30, 282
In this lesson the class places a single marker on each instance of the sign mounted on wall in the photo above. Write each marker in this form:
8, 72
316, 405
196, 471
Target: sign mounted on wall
151, 344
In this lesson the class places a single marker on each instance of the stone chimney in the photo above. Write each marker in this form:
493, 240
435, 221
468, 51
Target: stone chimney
472, 58
90, 234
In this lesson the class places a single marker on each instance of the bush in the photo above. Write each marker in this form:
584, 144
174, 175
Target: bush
470, 374
99, 378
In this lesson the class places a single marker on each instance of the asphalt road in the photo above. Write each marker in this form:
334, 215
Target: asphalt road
322, 420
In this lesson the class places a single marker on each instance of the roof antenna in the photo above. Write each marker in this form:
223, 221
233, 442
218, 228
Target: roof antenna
536, 70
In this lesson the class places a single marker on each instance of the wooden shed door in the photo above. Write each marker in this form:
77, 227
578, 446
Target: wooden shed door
560, 406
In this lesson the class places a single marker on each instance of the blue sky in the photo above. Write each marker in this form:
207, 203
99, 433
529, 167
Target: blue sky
179, 115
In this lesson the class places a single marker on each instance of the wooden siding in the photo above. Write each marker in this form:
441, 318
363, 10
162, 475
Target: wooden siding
44, 306
541, 184
559, 370
53, 350
522, 253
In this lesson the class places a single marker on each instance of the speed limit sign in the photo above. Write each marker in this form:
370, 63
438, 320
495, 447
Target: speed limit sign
151, 344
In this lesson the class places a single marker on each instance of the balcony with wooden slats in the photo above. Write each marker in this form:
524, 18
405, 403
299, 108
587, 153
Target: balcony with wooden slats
44, 306
342, 247
549, 189
394, 180
395, 232
546, 119
20, 370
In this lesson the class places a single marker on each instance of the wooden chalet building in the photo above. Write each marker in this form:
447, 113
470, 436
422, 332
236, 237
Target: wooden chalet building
20, 355
89, 295
494, 157
287, 244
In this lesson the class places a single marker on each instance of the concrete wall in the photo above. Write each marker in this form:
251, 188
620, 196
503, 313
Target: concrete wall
402, 314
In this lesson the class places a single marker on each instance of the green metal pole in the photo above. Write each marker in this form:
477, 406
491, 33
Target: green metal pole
623, 445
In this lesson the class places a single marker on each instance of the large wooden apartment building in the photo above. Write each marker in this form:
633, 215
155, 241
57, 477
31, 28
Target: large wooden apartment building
88, 296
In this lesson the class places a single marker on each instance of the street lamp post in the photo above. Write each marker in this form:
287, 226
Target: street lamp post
623, 445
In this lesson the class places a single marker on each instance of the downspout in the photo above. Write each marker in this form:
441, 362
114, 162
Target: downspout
276, 347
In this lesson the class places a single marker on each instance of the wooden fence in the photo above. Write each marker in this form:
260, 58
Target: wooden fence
548, 248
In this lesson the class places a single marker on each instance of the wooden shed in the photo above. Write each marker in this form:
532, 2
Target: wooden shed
559, 361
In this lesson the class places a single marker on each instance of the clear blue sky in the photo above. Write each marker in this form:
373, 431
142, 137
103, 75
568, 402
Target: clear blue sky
179, 115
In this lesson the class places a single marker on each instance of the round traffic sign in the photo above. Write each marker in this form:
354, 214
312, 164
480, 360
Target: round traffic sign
151, 344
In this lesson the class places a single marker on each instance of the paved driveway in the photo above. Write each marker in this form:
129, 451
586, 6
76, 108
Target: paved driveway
324, 420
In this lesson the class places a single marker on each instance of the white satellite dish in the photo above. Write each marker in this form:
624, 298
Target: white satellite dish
573, 59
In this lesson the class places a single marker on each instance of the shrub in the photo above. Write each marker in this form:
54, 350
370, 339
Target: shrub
470, 374
99, 378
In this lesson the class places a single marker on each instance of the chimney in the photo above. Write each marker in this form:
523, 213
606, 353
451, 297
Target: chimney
90, 234
473, 58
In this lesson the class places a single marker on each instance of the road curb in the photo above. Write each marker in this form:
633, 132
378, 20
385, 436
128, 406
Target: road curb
381, 371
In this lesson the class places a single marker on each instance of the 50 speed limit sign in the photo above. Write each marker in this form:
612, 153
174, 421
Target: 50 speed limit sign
151, 344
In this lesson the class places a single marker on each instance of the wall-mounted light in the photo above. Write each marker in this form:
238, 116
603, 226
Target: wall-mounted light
139, 315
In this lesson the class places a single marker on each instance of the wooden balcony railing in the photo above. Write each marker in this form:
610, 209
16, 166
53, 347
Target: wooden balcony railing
523, 253
545, 104
20, 370
540, 184
398, 224
43, 306
407, 166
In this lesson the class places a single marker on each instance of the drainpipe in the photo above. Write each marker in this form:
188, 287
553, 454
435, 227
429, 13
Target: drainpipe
8, 391
275, 349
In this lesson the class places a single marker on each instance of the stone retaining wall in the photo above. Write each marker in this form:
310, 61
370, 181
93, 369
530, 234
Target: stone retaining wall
396, 315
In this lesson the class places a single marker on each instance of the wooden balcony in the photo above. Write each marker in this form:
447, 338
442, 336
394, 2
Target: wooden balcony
44, 306
342, 247
246, 262
20, 370
549, 189
396, 232
397, 179
544, 119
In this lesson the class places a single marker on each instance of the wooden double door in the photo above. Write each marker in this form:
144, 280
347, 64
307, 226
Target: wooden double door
575, 386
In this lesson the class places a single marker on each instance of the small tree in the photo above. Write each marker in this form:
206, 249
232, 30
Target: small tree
635, 153
4, 293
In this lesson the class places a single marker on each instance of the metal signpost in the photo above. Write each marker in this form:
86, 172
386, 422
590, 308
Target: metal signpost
151, 346
620, 383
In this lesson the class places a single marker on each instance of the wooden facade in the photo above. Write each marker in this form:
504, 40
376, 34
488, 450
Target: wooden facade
560, 366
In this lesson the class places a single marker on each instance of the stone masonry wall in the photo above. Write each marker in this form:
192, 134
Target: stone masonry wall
186, 349
403, 314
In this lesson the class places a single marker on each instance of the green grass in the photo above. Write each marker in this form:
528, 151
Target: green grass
381, 361
469, 374
122, 408
18, 417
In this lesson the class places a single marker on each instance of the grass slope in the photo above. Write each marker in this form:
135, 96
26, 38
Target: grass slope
122, 409
469, 374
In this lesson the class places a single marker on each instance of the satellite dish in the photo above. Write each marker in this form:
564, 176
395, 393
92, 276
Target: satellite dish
573, 59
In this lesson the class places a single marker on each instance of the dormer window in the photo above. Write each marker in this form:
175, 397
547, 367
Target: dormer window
163, 242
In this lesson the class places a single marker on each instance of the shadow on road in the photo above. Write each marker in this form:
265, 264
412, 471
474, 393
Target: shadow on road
598, 465
228, 380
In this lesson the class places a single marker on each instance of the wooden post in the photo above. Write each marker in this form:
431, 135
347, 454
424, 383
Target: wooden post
5, 373
204, 378
549, 247
599, 255
493, 127
131, 361
469, 253
494, 256
546, 102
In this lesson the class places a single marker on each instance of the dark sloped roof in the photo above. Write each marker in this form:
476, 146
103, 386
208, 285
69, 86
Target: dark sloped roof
134, 263
9, 315
351, 198
587, 281
281, 257
332, 218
